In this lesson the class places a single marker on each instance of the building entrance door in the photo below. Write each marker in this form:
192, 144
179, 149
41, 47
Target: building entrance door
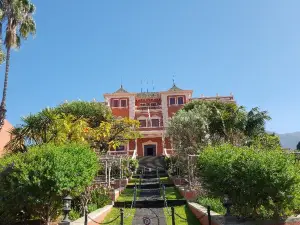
149, 150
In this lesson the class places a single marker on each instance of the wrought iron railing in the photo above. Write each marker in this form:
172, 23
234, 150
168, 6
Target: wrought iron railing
142, 108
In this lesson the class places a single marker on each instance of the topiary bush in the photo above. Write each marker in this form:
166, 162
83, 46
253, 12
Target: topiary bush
260, 183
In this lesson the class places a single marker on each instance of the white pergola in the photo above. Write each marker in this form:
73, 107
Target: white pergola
108, 161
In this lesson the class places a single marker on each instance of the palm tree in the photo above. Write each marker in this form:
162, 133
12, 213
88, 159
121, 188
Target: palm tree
44, 127
17, 15
256, 121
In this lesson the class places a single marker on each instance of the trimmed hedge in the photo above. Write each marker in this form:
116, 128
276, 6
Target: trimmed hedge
260, 183
36, 181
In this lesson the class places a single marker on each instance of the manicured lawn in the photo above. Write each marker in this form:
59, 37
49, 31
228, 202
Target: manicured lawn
128, 216
172, 193
127, 195
184, 212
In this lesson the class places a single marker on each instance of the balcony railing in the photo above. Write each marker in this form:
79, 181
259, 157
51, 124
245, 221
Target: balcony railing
117, 152
142, 108
149, 125
151, 128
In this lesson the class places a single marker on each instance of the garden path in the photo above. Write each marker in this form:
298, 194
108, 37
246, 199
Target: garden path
150, 193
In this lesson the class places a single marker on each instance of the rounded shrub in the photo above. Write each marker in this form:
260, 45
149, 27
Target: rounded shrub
36, 181
260, 183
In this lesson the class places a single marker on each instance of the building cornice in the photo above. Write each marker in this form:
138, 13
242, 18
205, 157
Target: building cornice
177, 92
118, 94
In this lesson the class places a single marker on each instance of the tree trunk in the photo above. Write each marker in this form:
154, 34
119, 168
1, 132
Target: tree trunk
3, 102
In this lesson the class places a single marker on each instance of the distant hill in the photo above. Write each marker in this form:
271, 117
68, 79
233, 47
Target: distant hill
289, 140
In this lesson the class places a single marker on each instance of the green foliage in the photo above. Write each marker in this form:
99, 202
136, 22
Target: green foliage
265, 141
38, 179
256, 122
189, 130
133, 164
168, 162
171, 162
74, 215
19, 13
99, 197
46, 127
109, 135
228, 122
215, 204
127, 195
259, 182
115, 212
93, 112
94, 197
92, 207
16, 19
172, 193
79, 121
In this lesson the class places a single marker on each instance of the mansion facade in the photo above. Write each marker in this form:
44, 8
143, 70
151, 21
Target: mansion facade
152, 110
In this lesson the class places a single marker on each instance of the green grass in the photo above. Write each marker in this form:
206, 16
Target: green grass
165, 180
184, 212
116, 212
172, 193
127, 195
133, 180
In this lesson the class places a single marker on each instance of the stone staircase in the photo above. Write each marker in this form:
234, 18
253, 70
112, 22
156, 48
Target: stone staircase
152, 162
150, 202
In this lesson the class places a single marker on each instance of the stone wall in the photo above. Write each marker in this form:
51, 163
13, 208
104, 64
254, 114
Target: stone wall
182, 186
120, 183
216, 219
114, 194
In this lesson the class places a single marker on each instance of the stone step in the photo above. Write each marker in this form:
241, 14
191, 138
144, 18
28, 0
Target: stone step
148, 186
146, 176
140, 172
150, 203
155, 216
152, 162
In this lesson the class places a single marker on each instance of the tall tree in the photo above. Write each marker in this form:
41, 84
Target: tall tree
298, 146
17, 16
232, 123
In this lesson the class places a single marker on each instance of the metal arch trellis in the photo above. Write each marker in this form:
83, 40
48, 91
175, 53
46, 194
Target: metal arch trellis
192, 165
190, 171
108, 162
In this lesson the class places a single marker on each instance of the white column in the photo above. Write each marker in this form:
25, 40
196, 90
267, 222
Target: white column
106, 171
131, 107
164, 106
109, 170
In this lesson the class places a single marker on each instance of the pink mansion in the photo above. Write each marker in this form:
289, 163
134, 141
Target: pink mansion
152, 110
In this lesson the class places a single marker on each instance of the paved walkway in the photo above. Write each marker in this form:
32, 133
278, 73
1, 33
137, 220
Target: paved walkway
156, 215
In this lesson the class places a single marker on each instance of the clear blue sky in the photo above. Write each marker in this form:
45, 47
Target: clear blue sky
83, 48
